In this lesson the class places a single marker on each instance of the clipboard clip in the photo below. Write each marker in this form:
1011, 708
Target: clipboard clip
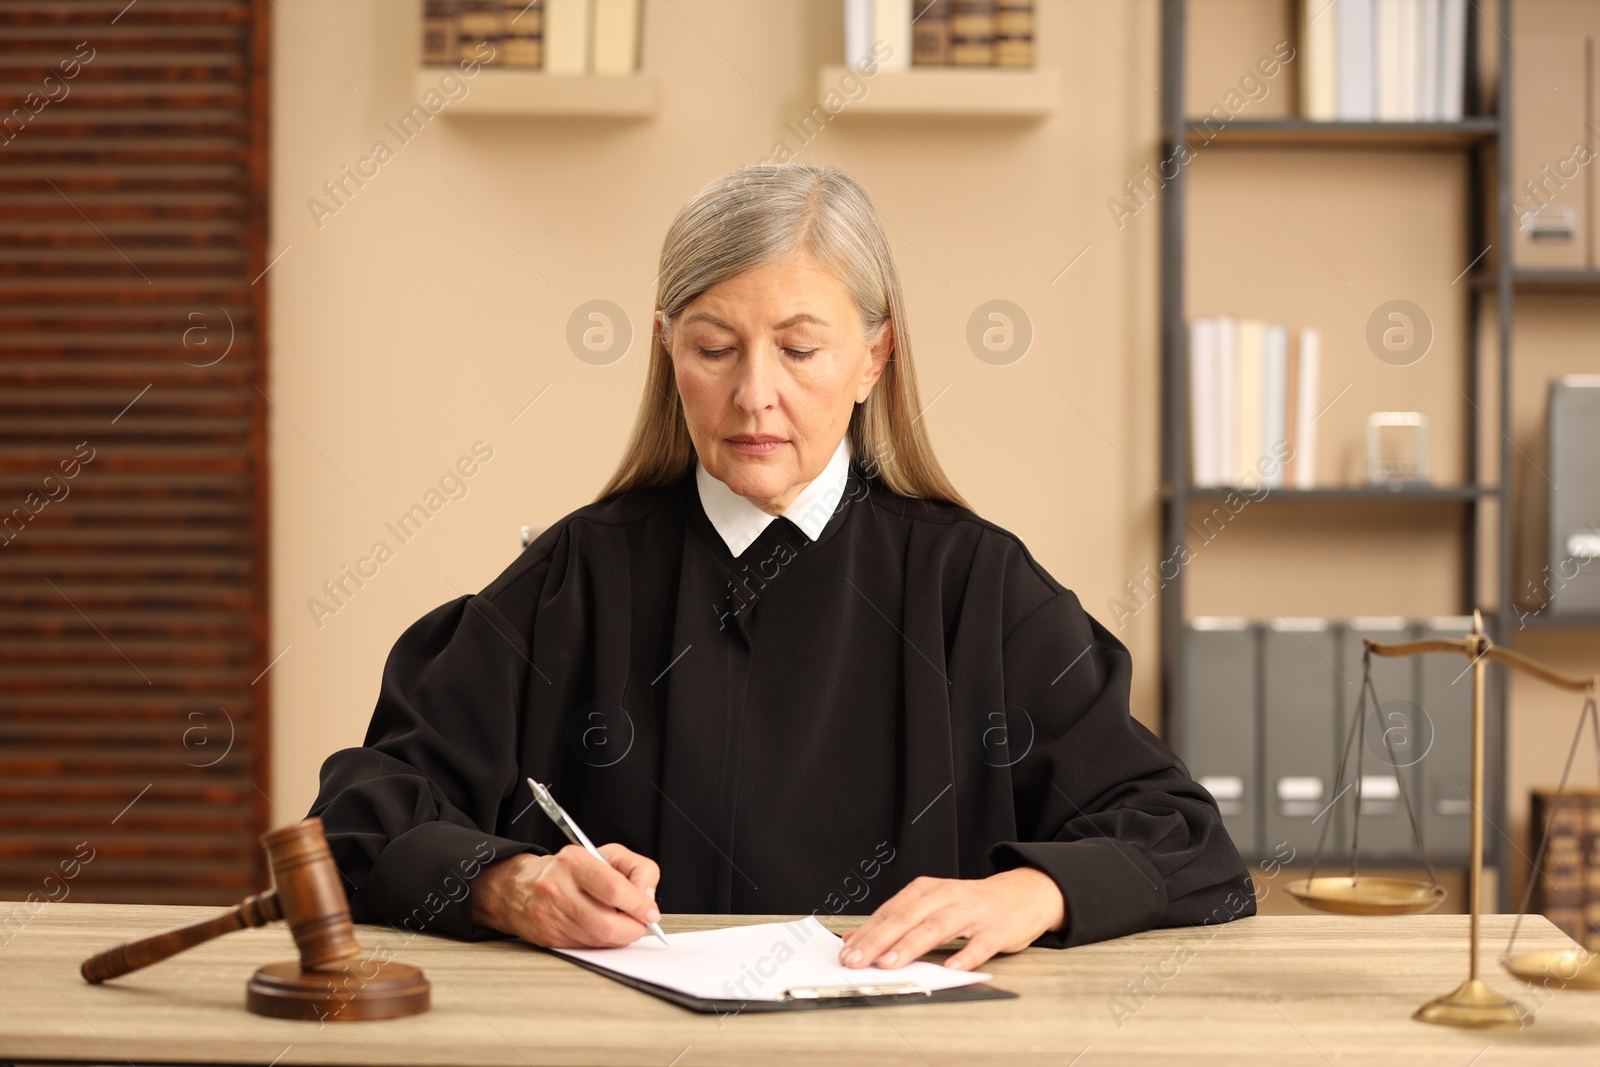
836, 992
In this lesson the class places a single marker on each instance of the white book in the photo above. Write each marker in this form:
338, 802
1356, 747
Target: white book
1407, 58
891, 23
1387, 44
1305, 433
1203, 402
1227, 399
1355, 55
1428, 60
1248, 428
1452, 59
567, 26
1318, 60
857, 33
616, 37
1274, 397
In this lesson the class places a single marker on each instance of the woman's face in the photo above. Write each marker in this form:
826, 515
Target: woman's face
770, 365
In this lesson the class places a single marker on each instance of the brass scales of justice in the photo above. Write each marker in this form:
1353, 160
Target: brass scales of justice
1472, 1004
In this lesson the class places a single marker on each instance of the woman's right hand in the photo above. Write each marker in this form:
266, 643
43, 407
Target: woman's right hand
569, 899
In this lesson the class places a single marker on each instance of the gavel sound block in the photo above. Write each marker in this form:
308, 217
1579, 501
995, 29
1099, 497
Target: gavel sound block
327, 983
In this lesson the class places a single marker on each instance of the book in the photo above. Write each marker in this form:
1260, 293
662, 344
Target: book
1318, 96
1248, 424
1354, 57
1226, 392
1274, 399
891, 24
1565, 890
1427, 48
1203, 425
480, 22
930, 33
1291, 422
1386, 50
567, 27
438, 32
524, 40
615, 45
858, 33
1308, 365
1452, 59
972, 27
1013, 33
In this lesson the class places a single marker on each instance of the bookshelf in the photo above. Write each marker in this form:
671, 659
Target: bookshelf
534, 93
1476, 507
950, 92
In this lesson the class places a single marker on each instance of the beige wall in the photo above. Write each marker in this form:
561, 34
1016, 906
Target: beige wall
408, 326
427, 312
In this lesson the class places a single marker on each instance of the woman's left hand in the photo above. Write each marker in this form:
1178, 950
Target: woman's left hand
1002, 913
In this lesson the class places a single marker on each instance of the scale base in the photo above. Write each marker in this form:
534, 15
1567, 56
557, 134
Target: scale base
1475, 1006
358, 990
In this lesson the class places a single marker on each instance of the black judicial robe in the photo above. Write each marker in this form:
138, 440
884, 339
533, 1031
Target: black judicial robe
805, 728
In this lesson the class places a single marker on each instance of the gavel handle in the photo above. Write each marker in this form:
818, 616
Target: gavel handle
258, 910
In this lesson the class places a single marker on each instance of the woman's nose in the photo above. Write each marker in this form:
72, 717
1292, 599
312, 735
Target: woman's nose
757, 381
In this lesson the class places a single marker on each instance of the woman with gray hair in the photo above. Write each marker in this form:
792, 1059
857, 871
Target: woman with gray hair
778, 666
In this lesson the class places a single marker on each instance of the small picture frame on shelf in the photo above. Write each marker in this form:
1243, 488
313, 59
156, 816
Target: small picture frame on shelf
1397, 448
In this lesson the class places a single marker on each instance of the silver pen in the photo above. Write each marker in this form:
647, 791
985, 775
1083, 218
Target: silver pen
559, 816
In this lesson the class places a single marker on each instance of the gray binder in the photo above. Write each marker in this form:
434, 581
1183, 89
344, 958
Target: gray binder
1571, 582
1297, 680
1215, 735
1445, 793
1385, 830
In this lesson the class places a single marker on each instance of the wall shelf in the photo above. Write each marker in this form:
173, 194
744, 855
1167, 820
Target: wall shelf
535, 93
1406, 494
1546, 621
1309, 133
948, 92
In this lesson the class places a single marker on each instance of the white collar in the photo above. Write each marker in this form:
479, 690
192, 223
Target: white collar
740, 521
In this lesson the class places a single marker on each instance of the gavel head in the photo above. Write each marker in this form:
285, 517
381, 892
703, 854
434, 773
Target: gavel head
310, 893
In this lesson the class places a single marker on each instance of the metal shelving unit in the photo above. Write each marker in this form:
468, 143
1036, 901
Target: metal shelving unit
1479, 138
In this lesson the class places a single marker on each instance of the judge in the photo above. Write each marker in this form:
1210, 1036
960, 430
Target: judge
778, 666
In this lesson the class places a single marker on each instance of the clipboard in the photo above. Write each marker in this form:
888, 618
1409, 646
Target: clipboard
805, 998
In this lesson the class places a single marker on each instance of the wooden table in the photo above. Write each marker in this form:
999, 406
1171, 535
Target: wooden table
1299, 989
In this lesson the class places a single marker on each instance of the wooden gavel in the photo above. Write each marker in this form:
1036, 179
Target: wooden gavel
323, 984
306, 892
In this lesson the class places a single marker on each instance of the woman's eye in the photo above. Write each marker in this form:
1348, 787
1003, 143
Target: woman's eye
713, 351
800, 353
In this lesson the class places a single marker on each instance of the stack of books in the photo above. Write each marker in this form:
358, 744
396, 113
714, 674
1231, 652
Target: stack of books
1383, 60
1566, 887
556, 36
939, 33
1252, 403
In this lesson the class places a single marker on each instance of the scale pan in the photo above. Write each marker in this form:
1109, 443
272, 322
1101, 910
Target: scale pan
1367, 896
1576, 968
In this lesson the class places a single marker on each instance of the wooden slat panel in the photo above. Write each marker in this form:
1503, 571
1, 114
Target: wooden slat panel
132, 589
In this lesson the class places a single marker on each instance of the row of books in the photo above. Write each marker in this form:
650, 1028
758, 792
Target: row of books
1252, 402
1567, 883
1383, 60
940, 33
556, 36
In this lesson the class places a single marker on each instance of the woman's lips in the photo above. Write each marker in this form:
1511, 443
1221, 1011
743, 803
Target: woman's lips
756, 444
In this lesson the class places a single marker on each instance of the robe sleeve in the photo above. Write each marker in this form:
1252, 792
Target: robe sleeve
410, 817
1104, 807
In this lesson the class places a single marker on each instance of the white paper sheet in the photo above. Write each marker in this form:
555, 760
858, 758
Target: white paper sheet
757, 962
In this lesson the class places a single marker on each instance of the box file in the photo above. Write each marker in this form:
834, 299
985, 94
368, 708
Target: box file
1445, 694
1216, 734
1298, 735
1571, 582
1385, 829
